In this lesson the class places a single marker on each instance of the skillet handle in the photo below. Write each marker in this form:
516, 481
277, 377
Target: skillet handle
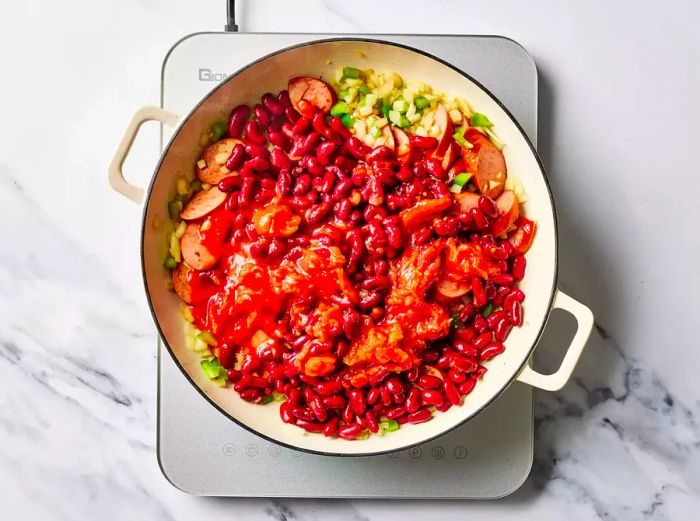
116, 175
557, 380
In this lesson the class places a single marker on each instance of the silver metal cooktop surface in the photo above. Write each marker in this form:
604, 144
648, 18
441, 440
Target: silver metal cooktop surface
202, 452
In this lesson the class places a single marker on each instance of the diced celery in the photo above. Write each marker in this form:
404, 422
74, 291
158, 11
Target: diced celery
180, 230
386, 108
415, 118
371, 121
169, 262
455, 116
267, 398
222, 381
352, 94
390, 425
400, 105
375, 132
364, 89
181, 185
455, 321
174, 208
480, 120
175, 248
421, 102
365, 111
348, 120
207, 337
186, 314
494, 138
212, 369
455, 188
339, 109
395, 117
363, 435
381, 122
370, 100
462, 178
279, 397
201, 164
459, 138
201, 346
217, 130
488, 309
342, 94
411, 111
196, 185
404, 122
350, 72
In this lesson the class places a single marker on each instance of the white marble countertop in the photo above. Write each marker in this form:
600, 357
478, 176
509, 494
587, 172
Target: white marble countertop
618, 116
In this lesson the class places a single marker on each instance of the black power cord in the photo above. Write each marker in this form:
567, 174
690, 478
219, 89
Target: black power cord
231, 26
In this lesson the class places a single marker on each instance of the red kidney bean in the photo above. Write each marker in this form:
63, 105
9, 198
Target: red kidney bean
230, 183
329, 387
310, 426
253, 134
467, 386
428, 381
302, 185
236, 158
515, 313
488, 206
424, 142
395, 412
356, 399
394, 385
451, 392
464, 349
237, 120
431, 397
334, 402
279, 139
357, 247
283, 99
445, 406
284, 183
302, 126
318, 213
287, 129
502, 329
251, 395
478, 291
504, 279
272, 105
256, 164
324, 152
434, 167
369, 299
494, 318
482, 340
342, 187
356, 147
348, 415
371, 421
467, 312
286, 413
420, 416
350, 432
313, 165
304, 413
491, 350
518, 269
457, 376
276, 248
338, 127
304, 144
386, 396
373, 396
262, 115
342, 209
318, 408
480, 324
330, 429
292, 115
258, 249
319, 122
501, 294
463, 364
250, 364
478, 218
344, 163
413, 400
257, 151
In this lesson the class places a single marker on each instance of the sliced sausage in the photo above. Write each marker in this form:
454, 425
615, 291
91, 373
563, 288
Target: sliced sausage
467, 200
452, 289
486, 162
202, 203
389, 141
508, 211
181, 283
445, 139
402, 145
313, 90
214, 157
453, 154
195, 253
423, 210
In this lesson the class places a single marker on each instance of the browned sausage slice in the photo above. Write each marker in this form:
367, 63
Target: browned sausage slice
486, 162
214, 168
508, 211
467, 200
402, 144
181, 283
195, 253
313, 90
202, 203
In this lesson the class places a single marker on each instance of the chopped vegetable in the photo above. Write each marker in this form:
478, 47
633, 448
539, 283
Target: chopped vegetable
462, 178
217, 130
421, 102
348, 120
389, 425
201, 164
386, 108
339, 109
212, 369
364, 89
169, 263
459, 138
488, 309
207, 337
267, 398
174, 208
480, 120
350, 72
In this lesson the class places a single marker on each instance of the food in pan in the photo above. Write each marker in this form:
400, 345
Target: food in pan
351, 249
